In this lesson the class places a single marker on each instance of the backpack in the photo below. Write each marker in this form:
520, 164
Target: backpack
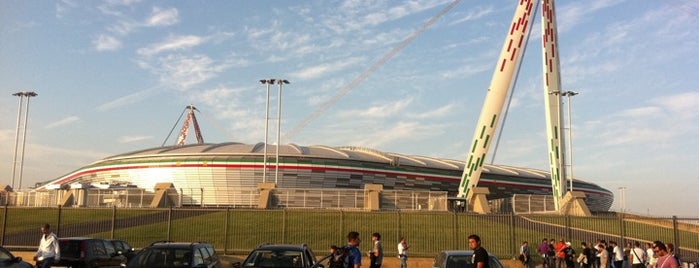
341, 258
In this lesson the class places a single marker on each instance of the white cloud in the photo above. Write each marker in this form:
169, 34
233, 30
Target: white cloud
128, 99
106, 43
130, 139
172, 43
320, 70
380, 111
478, 13
183, 71
63, 122
163, 17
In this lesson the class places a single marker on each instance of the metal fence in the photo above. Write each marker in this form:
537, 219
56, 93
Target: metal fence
236, 231
233, 197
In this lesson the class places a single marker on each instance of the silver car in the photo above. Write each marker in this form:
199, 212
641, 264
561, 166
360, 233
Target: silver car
461, 259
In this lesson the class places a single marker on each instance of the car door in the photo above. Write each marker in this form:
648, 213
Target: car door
97, 254
112, 258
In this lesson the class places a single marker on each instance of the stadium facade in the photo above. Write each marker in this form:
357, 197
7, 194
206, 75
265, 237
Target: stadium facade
225, 166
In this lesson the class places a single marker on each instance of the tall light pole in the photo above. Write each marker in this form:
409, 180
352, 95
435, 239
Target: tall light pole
21, 96
279, 125
622, 194
267, 82
570, 135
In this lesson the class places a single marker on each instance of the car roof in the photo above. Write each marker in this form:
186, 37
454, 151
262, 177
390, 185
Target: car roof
169, 244
282, 247
460, 252
79, 238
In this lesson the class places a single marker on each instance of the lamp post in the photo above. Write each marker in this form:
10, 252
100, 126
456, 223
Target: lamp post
570, 94
279, 125
267, 82
622, 193
21, 96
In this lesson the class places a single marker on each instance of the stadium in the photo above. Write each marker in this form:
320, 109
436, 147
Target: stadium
204, 173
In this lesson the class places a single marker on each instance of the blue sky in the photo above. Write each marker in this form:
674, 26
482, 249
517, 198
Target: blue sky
113, 77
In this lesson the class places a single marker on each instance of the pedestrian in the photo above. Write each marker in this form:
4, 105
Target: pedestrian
524, 254
355, 256
403, 252
480, 256
543, 251
665, 260
552, 253
618, 254
651, 257
639, 256
335, 260
627, 255
376, 253
602, 256
560, 254
584, 258
570, 255
49, 252
671, 251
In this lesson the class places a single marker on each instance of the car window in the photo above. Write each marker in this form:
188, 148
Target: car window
5, 255
70, 248
205, 255
197, 258
458, 261
96, 248
118, 245
109, 248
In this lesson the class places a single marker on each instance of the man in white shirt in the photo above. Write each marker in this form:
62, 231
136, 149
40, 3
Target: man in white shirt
618, 254
49, 251
638, 255
403, 252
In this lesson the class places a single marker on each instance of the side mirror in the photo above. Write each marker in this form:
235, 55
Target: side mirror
18, 259
236, 264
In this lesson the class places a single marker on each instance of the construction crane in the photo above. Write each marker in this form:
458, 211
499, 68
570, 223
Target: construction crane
500, 86
191, 118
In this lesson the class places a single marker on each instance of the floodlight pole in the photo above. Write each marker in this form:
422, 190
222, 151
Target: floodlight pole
267, 82
279, 126
19, 117
569, 94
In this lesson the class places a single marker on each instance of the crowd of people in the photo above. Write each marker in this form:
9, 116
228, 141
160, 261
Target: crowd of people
602, 254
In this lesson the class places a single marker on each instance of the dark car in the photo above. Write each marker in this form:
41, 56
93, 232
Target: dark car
9, 260
268, 255
89, 252
461, 258
123, 248
167, 254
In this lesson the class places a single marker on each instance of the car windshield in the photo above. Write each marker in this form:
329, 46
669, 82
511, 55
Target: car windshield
163, 257
275, 258
5, 256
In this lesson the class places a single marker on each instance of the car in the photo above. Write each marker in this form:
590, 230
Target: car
460, 258
9, 260
280, 255
168, 254
88, 252
123, 248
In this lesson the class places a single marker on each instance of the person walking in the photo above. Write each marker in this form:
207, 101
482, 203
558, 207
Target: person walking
355, 256
480, 256
651, 257
585, 256
49, 252
403, 252
602, 256
639, 256
376, 253
560, 254
524, 253
543, 251
618, 254
665, 260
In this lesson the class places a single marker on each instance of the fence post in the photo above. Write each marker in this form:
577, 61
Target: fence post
169, 222
622, 228
225, 231
455, 229
111, 236
4, 225
284, 226
569, 231
58, 225
513, 243
676, 236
